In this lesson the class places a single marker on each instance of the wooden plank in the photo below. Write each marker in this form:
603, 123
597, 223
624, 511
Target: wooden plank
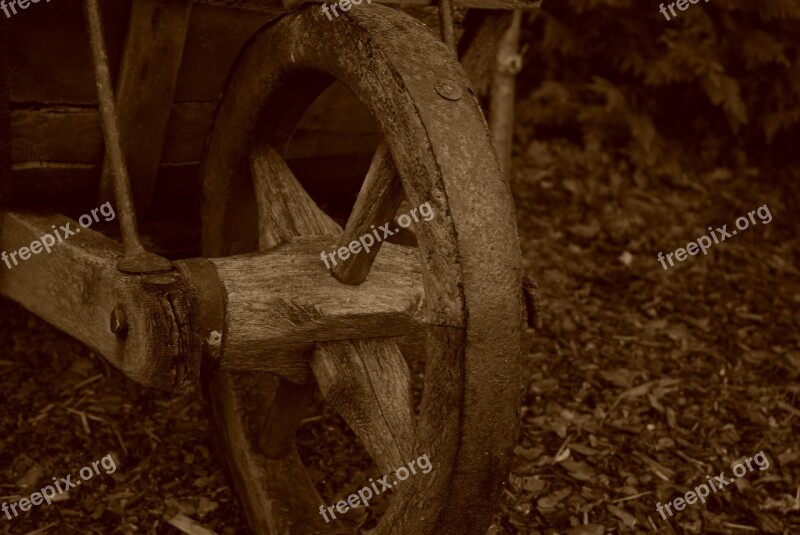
42, 183
478, 47
6, 185
145, 91
60, 184
73, 134
51, 134
76, 287
52, 62
479, 4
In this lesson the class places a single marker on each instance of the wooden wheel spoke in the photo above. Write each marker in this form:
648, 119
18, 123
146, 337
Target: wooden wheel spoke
290, 211
376, 204
369, 384
261, 414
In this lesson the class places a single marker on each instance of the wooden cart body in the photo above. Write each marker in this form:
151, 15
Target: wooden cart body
57, 142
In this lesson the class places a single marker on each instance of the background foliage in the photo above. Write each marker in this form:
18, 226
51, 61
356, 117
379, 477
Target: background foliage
718, 85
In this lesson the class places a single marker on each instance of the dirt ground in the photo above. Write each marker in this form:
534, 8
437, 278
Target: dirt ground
641, 383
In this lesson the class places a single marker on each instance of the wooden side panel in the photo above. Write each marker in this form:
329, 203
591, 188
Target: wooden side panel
73, 134
145, 92
52, 63
52, 60
5, 117
481, 4
335, 125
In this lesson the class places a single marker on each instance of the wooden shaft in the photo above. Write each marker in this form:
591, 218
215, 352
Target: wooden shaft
77, 288
501, 107
446, 25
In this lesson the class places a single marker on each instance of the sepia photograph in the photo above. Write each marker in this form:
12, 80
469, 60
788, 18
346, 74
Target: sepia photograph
399, 267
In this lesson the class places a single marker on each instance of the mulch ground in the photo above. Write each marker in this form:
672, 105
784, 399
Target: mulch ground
641, 383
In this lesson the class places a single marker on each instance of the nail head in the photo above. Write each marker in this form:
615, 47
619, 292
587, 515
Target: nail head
448, 89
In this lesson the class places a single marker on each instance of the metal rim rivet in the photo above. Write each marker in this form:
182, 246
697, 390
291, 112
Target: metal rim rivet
448, 89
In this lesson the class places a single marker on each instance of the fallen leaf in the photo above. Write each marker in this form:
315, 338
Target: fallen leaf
587, 529
550, 501
628, 519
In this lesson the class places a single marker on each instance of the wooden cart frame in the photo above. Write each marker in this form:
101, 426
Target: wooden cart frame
257, 319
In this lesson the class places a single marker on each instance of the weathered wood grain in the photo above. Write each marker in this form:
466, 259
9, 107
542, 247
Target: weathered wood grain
369, 385
287, 299
260, 452
286, 210
77, 286
377, 202
256, 415
469, 255
478, 48
508, 63
145, 91
366, 381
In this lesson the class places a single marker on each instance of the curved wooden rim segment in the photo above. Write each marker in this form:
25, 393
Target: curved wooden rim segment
469, 252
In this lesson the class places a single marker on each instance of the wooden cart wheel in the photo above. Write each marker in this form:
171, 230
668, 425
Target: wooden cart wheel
468, 255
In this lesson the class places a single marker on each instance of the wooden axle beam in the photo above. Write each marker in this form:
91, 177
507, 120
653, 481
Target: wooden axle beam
258, 312
282, 302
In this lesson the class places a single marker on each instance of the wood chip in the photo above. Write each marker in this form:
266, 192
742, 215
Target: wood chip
43, 530
187, 525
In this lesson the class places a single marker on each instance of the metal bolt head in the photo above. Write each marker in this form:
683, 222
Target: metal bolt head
448, 89
119, 321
